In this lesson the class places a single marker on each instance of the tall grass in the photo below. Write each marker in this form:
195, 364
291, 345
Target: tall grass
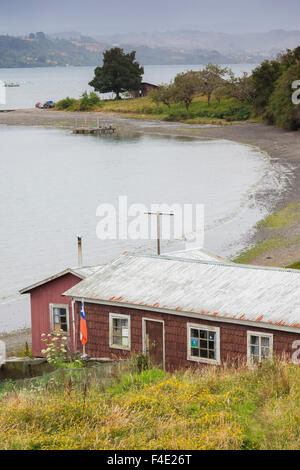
226, 111
211, 408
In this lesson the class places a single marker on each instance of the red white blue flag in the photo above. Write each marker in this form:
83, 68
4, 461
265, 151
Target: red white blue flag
83, 329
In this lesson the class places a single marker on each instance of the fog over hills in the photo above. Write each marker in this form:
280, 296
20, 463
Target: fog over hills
266, 44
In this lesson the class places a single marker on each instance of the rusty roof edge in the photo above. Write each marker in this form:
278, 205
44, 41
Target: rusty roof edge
216, 263
199, 315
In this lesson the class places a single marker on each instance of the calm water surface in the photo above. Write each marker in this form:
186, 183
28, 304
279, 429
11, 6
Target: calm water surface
51, 183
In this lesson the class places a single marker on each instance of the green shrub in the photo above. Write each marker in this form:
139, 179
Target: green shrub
66, 103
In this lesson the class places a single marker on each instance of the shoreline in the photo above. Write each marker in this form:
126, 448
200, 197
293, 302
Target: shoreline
282, 147
271, 244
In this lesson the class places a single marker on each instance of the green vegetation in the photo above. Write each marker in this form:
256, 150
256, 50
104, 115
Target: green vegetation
119, 73
40, 51
273, 86
87, 102
246, 256
283, 218
294, 265
210, 408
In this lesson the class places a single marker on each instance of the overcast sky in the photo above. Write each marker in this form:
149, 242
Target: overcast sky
105, 17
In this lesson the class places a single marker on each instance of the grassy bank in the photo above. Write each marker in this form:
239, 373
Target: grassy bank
212, 408
278, 231
228, 110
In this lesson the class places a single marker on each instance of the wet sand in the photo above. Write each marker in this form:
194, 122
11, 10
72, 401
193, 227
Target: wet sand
283, 147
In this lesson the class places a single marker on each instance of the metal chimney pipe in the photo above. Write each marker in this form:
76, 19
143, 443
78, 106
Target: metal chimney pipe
79, 243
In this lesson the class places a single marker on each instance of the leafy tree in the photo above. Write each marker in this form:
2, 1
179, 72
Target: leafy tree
281, 110
241, 88
41, 36
264, 78
120, 73
289, 58
210, 79
163, 94
184, 88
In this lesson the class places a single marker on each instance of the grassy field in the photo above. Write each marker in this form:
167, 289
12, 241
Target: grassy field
212, 408
227, 111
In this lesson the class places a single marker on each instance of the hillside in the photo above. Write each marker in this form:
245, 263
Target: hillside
44, 52
210, 408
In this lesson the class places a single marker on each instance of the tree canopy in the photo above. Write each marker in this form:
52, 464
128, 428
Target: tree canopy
119, 73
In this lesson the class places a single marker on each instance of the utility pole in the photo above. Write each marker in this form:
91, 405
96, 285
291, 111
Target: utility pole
158, 215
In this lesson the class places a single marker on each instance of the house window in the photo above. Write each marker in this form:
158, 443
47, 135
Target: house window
59, 317
203, 343
119, 331
259, 346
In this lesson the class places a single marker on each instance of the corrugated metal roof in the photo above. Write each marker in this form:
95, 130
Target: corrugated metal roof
221, 290
81, 272
197, 254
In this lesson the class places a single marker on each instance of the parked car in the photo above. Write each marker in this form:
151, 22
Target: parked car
47, 105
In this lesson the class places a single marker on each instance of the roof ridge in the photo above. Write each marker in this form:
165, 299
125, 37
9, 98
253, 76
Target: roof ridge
216, 263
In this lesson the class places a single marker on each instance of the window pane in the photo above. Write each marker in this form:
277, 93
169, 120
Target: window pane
124, 323
265, 341
254, 340
194, 333
203, 344
265, 352
212, 354
254, 351
194, 343
203, 334
211, 335
117, 340
204, 353
195, 352
124, 341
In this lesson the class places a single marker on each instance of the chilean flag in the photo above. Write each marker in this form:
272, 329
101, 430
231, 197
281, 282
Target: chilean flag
83, 329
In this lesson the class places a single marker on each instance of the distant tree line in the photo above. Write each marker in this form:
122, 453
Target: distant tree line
268, 90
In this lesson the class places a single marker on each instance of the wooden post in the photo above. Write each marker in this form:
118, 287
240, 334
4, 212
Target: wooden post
158, 215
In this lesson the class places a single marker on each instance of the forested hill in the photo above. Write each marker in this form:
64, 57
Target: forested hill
40, 51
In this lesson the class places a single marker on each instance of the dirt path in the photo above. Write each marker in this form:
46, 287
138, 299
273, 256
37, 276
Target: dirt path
277, 244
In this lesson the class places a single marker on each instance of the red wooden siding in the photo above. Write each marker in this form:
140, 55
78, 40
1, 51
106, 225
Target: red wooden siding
40, 298
233, 337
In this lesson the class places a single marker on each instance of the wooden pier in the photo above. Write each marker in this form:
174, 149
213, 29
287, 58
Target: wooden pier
94, 130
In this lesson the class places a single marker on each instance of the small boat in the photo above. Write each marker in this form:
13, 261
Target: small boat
11, 84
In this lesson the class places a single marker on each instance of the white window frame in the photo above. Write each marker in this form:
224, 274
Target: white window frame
119, 316
260, 335
204, 360
66, 306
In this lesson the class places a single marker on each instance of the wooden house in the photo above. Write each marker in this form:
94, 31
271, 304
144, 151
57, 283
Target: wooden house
186, 311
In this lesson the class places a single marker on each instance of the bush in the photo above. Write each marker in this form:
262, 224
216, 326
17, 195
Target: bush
87, 102
66, 103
